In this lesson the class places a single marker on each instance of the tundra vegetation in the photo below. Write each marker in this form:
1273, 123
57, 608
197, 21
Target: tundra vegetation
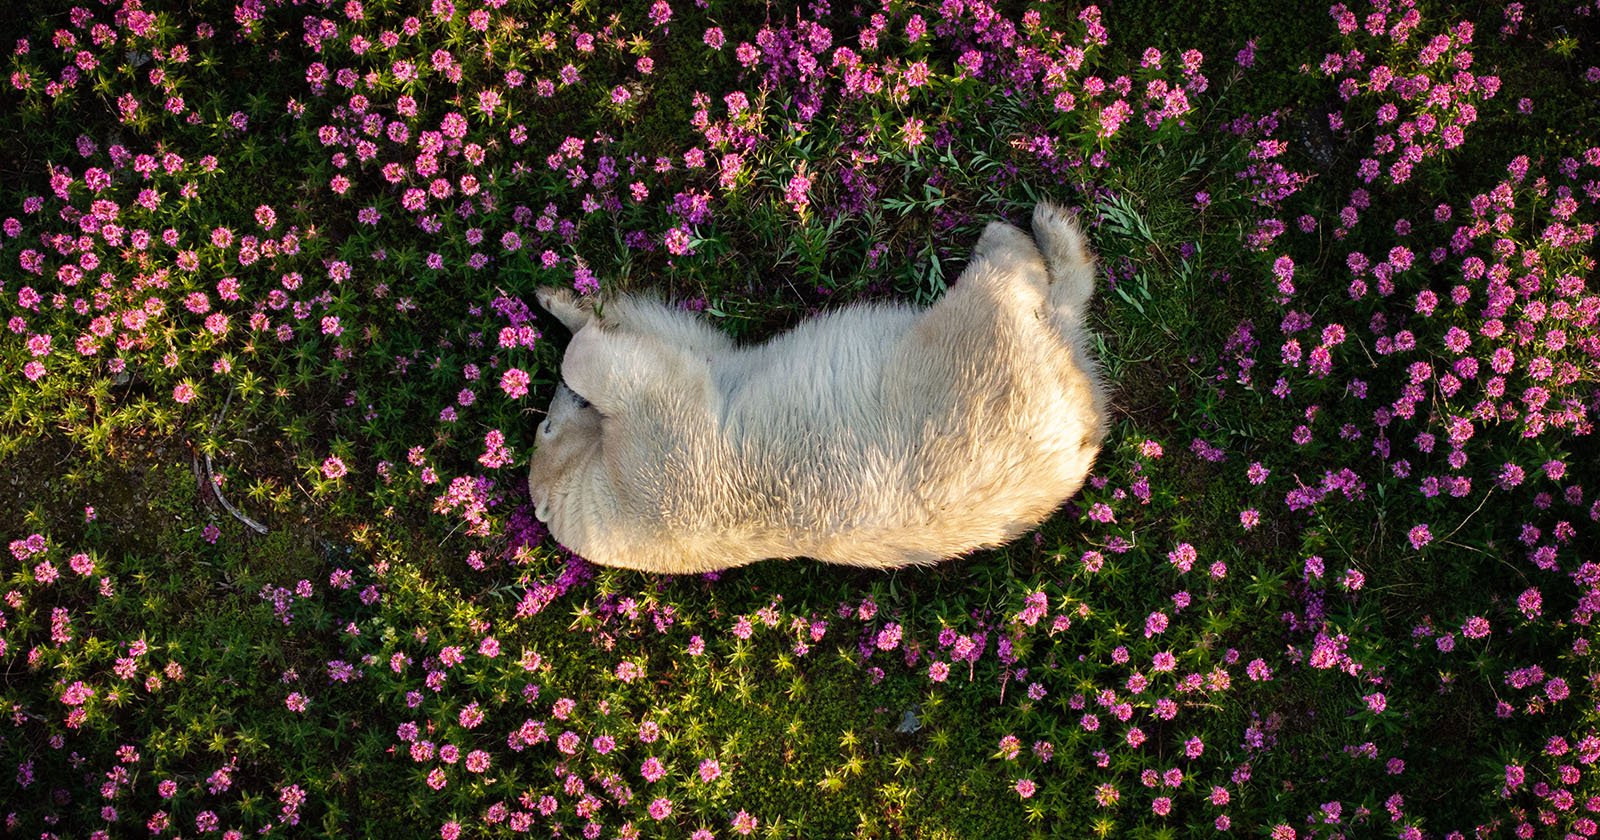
270, 372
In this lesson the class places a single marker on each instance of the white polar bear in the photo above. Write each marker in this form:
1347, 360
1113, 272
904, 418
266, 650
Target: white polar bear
877, 435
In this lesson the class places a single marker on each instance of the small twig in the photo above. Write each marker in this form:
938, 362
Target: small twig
1469, 516
211, 478
212, 482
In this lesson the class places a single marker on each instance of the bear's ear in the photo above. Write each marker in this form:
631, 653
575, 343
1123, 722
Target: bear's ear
611, 368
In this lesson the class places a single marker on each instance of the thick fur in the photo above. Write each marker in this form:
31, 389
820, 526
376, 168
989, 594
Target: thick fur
878, 436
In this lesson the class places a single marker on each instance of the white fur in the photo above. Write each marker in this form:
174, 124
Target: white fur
878, 436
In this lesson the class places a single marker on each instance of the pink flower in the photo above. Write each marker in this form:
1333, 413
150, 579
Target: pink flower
710, 770
913, 133
1420, 536
1182, 557
333, 468
514, 383
1026, 788
496, 454
652, 769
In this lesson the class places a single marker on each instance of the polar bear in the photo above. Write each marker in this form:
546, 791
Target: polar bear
877, 435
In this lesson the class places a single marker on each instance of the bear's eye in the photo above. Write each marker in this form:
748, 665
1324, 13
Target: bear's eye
546, 427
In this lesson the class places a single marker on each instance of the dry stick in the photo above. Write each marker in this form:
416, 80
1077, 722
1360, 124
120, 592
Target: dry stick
250, 523
211, 479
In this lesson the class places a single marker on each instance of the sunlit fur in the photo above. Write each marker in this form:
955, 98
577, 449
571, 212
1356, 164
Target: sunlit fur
878, 436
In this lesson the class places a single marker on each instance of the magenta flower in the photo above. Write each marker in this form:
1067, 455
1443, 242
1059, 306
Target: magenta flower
660, 13
1183, 557
1155, 623
797, 192
1530, 603
1420, 536
1476, 628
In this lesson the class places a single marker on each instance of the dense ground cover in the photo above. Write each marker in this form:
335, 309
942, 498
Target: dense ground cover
271, 374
